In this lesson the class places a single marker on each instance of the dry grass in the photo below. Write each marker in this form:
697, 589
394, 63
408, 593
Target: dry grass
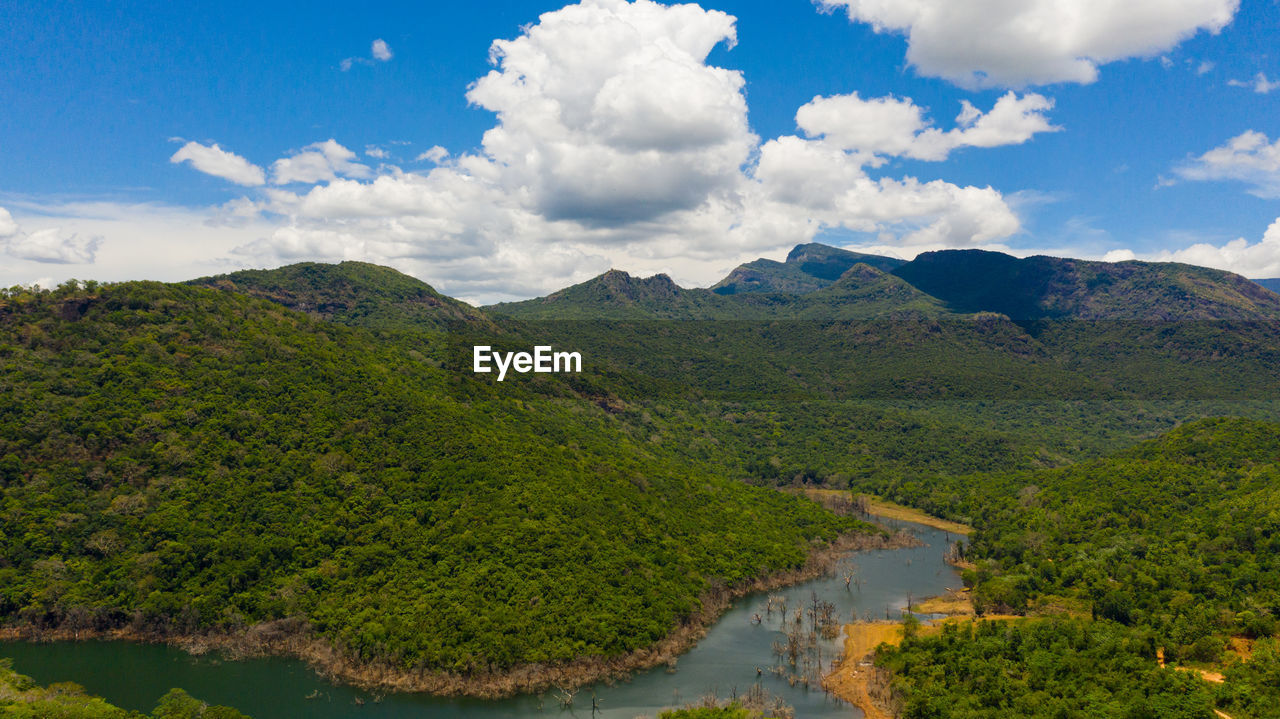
855, 678
956, 602
886, 510
890, 510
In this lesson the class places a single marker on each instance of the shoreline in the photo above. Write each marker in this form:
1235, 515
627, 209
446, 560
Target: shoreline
876, 507
292, 638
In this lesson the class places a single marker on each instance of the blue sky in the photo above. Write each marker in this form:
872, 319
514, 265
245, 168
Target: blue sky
634, 135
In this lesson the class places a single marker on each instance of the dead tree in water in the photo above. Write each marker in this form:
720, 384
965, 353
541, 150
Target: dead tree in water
566, 697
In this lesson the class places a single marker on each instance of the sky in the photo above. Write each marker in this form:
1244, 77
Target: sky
506, 149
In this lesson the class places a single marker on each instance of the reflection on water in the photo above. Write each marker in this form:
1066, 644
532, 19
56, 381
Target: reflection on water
738, 652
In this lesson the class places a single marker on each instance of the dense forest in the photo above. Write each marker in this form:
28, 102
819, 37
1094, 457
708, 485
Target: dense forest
1172, 545
176, 459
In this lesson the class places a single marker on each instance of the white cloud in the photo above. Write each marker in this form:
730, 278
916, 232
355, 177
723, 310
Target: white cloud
213, 160
376, 152
1258, 259
607, 111
379, 51
897, 127
1014, 43
1247, 157
8, 227
816, 184
1205, 67
51, 246
318, 162
435, 154
126, 242
48, 245
1260, 84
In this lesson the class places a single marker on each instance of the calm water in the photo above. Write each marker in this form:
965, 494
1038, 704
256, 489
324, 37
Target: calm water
134, 676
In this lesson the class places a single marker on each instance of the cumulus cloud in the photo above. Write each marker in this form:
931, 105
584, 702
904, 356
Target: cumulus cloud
1248, 157
213, 160
816, 184
1014, 43
47, 245
1259, 84
318, 162
1252, 259
607, 111
380, 51
897, 127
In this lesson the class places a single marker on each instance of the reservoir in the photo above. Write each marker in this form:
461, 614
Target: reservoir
737, 653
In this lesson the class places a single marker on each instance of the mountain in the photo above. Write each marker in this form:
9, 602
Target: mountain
1053, 288
614, 294
863, 292
815, 283
352, 293
807, 268
860, 292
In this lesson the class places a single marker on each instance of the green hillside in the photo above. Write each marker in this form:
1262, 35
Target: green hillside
352, 293
1054, 288
1174, 543
176, 459
807, 268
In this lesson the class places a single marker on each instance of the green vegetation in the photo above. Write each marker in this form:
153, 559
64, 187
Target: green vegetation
20, 698
1050, 287
1174, 543
1040, 669
351, 293
807, 268
176, 459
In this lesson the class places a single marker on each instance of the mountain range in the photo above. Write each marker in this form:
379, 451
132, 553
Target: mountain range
820, 282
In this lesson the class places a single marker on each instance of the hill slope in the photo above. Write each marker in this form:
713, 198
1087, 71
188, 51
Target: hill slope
180, 460
352, 293
1174, 543
807, 268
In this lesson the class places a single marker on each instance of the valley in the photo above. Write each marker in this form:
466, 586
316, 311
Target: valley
301, 463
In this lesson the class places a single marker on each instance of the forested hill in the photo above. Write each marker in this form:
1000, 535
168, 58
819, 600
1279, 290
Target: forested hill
176, 459
807, 268
1172, 545
352, 293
